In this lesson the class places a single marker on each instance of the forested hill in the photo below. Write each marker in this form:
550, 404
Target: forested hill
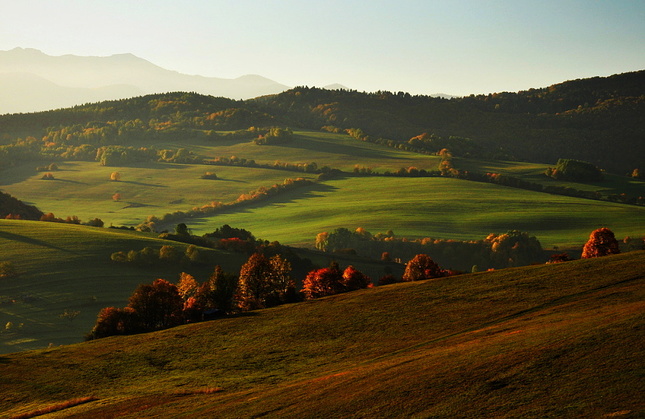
600, 120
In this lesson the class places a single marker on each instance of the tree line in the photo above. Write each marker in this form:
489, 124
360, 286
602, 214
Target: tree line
513, 248
263, 282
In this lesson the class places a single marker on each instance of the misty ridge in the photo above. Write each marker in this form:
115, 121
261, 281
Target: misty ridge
31, 80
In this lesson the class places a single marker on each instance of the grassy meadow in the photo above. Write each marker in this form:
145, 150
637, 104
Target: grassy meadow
541, 341
411, 207
428, 207
84, 189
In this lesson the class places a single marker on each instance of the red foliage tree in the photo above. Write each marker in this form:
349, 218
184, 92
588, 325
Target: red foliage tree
321, 282
354, 279
422, 267
602, 242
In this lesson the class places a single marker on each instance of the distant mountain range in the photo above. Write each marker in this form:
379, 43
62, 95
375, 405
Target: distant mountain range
31, 80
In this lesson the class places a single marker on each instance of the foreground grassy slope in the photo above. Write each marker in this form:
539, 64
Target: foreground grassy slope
543, 341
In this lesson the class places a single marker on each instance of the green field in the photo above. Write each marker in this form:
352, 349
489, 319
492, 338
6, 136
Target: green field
542, 341
411, 207
534, 172
84, 189
429, 207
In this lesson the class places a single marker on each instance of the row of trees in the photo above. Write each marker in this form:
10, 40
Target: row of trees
575, 170
262, 282
513, 248
152, 222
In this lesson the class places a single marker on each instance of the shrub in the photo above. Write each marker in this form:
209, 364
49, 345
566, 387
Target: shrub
209, 175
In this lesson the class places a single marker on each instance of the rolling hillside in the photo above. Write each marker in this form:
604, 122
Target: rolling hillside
435, 207
544, 341
67, 267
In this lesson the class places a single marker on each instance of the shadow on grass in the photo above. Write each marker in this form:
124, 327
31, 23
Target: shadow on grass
232, 180
353, 152
137, 205
131, 182
70, 181
29, 240
290, 197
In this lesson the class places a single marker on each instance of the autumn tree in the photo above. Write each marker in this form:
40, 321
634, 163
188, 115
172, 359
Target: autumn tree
115, 176
353, 279
263, 282
114, 321
322, 282
422, 267
158, 305
602, 242
221, 290
187, 286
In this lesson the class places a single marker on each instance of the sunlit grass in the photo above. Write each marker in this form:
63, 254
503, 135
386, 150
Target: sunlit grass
558, 340
430, 207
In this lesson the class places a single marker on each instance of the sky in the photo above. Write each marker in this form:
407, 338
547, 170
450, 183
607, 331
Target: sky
458, 47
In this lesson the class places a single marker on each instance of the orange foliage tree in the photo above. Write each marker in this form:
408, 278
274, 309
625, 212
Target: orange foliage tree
602, 242
321, 282
422, 267
329, 281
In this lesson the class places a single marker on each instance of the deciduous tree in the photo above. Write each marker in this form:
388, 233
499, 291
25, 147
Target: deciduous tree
353, 279
602, 242
322, 282
422, 267
263, 282
158, 305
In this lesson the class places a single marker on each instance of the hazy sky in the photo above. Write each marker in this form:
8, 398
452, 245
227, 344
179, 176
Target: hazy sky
419, 46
